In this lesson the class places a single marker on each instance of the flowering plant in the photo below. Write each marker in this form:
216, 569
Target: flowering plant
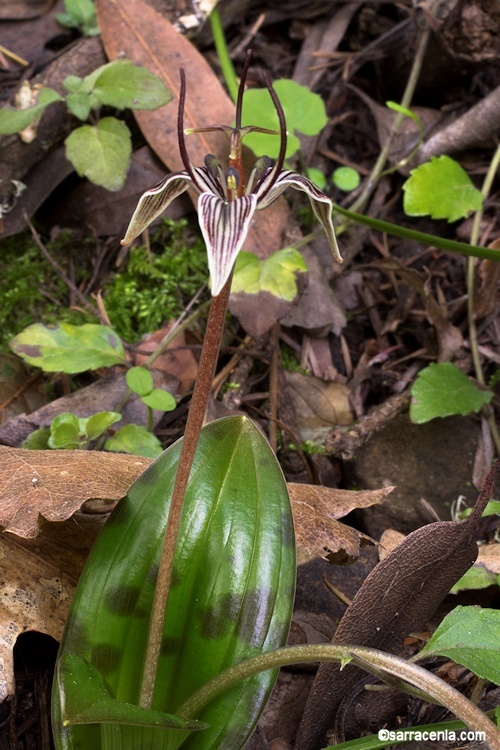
226, 204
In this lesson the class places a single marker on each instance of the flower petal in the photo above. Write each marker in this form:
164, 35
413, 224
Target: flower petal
224, 227
321, 203
154, 202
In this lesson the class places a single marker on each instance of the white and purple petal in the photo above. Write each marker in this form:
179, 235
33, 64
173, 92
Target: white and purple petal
154, 202
321, 203
224, 227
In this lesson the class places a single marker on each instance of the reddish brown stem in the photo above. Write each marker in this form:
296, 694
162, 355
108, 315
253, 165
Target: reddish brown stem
199, 401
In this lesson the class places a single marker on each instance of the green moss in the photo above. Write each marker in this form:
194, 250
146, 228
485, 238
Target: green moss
30, 289
156, 286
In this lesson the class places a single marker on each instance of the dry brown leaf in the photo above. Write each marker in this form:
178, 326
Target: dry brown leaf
388, 541
315, 510
318, 405
54, 484
133, 29
39, 579
489, 556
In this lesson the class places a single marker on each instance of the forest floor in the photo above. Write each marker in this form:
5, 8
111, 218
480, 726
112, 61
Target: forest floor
379, 372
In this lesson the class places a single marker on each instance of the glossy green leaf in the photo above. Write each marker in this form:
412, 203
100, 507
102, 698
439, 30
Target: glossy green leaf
140, 380
442, 390
68, 348
442, 189
231, 598
101, 152
277, 274
135, 439
14, 120
304, 113
160, 400
469, 636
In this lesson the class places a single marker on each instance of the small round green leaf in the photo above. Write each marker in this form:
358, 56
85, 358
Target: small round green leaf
101, 152
316, 176
136, 440
440, 189
160, 400
140, 380
346, 179
442, 390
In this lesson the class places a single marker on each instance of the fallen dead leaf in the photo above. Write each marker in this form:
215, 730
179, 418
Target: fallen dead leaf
489, 556
315, 512
54, 484
38, 582
318, 405
388, 541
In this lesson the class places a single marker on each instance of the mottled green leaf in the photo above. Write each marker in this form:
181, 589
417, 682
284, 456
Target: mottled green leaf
101, 152
68, 348
14, 120
276, 274
134, 439
470, 636
442, 390
442, 189
231, 597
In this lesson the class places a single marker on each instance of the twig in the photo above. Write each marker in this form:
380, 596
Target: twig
473, 339
411, 84
71, 286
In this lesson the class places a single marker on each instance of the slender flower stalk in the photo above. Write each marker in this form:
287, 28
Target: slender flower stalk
226, 207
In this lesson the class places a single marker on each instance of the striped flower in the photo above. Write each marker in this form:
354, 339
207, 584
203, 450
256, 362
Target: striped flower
226, 206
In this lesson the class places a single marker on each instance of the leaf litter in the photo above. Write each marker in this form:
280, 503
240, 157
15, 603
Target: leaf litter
407, 308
